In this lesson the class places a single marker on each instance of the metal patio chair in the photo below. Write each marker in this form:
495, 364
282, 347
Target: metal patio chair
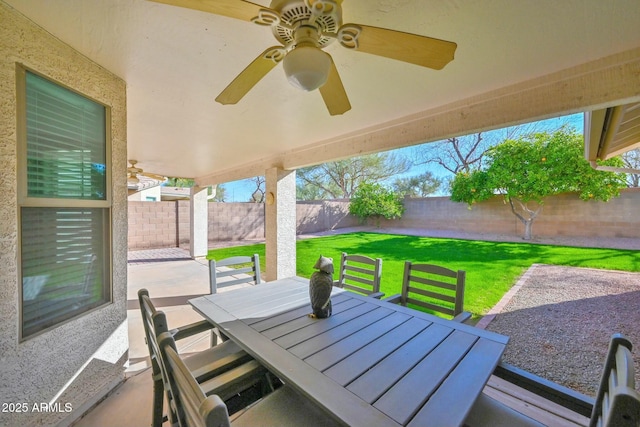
282, 408
225, 369
235, 271
442, 288
617, 402
360, 274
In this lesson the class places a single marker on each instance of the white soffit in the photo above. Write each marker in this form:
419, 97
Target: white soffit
612, 131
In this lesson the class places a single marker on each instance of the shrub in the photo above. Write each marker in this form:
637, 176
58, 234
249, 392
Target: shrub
374, 200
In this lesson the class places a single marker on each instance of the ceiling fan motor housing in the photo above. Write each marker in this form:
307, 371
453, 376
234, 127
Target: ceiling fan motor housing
294, 13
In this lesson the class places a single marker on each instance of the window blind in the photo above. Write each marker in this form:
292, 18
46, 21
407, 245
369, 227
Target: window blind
66, 151
65, 250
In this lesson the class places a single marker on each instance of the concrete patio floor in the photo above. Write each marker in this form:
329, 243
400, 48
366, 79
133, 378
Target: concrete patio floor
172, 278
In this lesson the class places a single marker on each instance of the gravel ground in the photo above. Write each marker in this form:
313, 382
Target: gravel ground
560, 321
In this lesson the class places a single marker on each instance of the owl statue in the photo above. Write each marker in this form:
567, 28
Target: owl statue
320, 287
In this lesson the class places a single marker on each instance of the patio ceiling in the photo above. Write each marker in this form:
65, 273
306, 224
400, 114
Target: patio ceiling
176, 61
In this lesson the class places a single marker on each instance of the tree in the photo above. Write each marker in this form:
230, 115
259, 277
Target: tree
455, 154
527, 170
631, 160
179, 182
467, 153
374, 200
258, 194
221, 193
342, 178
417, 186
189, 182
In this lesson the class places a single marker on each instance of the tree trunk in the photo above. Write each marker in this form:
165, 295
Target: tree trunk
528, 225
526, 220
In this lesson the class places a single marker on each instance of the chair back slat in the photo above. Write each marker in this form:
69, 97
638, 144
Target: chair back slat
232, 271
236, 267
358, 279
360, 274
617, 401
433, 283
370, 271
431, 294
442, 289
434, 269
431, 306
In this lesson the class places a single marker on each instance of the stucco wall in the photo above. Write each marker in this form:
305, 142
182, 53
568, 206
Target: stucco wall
84, 357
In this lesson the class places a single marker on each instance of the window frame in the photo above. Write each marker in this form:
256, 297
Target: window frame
24, 201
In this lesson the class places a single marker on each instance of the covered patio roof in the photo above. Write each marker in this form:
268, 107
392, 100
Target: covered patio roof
612, 131
515, 62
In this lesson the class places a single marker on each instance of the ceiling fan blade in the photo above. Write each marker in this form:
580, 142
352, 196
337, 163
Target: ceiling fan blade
333, 93
251, 75
238, 9
407, 47
154, 176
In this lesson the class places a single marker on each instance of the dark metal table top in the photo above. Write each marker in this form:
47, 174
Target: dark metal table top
371, 363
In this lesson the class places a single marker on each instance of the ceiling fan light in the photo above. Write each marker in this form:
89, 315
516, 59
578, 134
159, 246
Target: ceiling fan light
307, 67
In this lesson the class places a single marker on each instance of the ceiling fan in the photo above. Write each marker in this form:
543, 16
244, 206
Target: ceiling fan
133, 172
304, 28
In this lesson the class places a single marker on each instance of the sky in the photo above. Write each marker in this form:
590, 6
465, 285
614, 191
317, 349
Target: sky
240, 191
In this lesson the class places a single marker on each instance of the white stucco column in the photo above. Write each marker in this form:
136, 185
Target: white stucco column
280, 223
199, 232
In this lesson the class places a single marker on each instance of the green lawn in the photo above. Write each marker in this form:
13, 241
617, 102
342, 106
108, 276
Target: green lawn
492, 267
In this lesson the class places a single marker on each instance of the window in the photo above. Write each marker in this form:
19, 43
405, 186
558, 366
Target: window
64, 199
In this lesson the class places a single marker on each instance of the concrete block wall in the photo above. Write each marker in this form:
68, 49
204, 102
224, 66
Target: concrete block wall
322, 215
440, 213
567, 215
236, 221
563, 215
154, 224
183, 221
166, 224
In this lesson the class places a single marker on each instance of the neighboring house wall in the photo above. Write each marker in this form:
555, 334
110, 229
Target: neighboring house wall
152, 194
153, 225
83, 358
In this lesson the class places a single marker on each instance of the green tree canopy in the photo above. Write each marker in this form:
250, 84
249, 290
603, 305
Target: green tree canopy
417, 186
374, 200
342, 178
527, 170
179, 182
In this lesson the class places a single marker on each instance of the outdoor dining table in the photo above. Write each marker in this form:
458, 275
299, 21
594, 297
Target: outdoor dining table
371, 363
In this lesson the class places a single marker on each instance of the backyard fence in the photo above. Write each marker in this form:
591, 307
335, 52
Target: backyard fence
166, 224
